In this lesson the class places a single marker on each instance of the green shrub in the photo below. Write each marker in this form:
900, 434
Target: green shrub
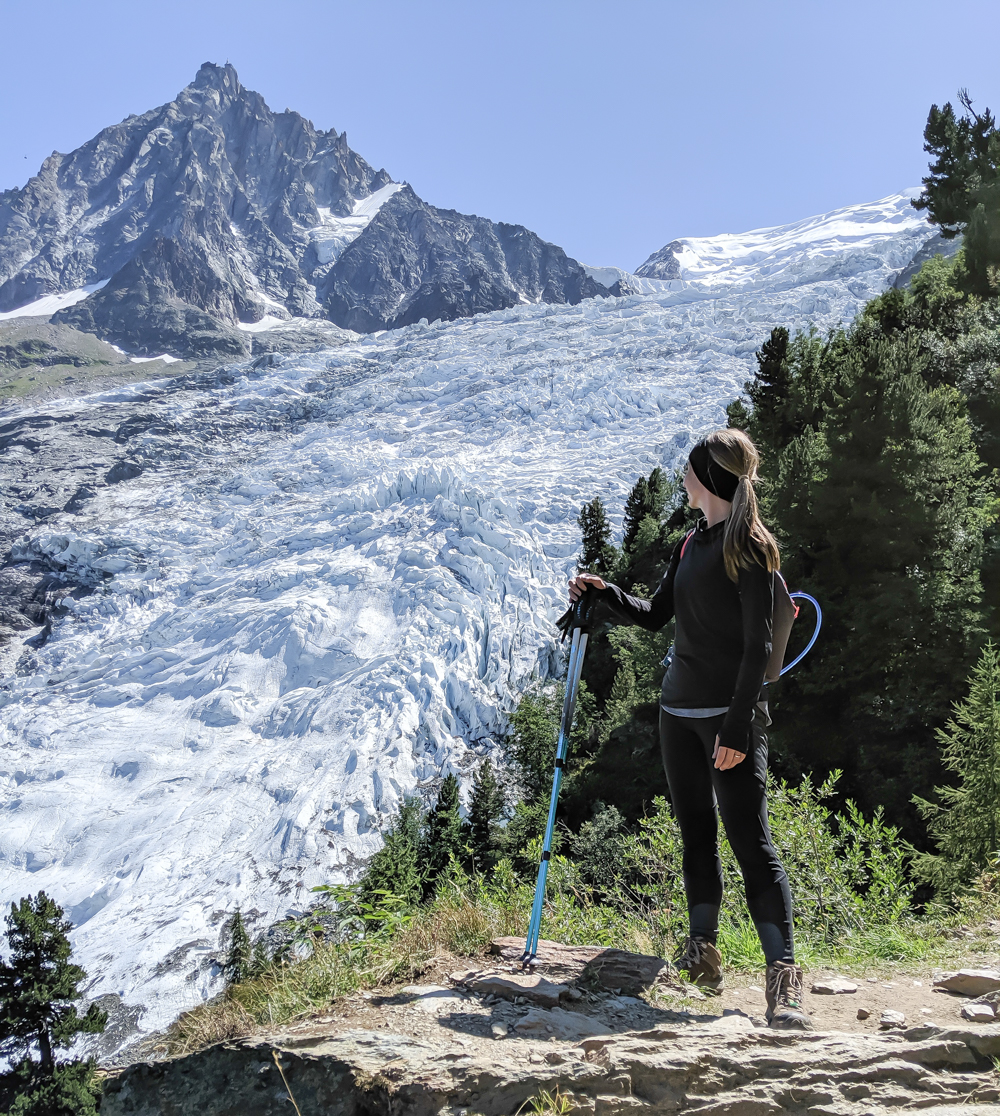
847, 873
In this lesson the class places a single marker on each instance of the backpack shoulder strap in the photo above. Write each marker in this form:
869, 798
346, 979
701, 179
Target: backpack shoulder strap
687, 539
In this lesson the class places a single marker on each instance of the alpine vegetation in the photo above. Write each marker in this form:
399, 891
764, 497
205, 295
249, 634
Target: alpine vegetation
38, 1017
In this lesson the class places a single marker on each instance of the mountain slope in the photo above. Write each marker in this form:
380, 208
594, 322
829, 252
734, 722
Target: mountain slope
414, 261
212, 211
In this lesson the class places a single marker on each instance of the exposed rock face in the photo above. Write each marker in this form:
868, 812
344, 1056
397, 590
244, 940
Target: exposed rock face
414, 261
725, 1068
662, 264
213, 210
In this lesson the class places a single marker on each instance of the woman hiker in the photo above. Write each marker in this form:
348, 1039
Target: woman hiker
720, 587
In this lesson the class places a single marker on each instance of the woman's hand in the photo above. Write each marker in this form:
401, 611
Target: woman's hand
578, 585
725, 758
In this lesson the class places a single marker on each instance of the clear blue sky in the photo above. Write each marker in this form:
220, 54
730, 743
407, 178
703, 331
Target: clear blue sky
608, 127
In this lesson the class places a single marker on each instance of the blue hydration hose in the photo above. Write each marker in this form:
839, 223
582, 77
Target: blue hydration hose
819, 624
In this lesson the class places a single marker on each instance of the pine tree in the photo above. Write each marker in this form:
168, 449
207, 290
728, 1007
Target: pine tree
658, 487
624, 696
67, 1089
881, 506
737, 415
769, 389
962, 190
238, 966
636, 509
646, 500
395, 868
38, 990
598, 554
259, 960
966, 152
443, 838
487, 806
965, 823
981, 253
531, 744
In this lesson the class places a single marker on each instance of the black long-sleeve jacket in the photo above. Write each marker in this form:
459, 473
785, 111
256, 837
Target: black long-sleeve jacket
723, 631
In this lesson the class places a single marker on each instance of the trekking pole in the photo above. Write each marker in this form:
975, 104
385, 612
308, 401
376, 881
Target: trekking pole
578, 618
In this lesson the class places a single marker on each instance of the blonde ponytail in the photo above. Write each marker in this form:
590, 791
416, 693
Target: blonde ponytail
745, 540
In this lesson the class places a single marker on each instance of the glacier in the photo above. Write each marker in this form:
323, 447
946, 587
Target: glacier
333, 578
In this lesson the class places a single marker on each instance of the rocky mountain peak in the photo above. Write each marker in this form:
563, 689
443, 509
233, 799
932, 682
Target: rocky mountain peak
213, 213
215, 89
223, 79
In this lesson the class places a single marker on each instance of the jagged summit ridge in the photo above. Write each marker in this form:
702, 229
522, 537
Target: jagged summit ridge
212, 211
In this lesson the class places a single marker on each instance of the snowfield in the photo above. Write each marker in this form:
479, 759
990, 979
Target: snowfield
49, 304
333, 585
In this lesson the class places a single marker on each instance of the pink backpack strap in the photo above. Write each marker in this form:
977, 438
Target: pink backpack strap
687, 539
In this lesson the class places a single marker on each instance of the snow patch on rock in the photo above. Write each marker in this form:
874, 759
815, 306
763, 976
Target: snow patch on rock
333, 234
50, 303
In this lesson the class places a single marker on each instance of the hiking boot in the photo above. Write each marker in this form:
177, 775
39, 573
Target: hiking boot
701, 964
783, 988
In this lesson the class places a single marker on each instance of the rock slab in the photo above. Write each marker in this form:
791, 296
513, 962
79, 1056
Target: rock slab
970, 982
433, 997
834, 986
570, 1026
510, 986
978, 1013
614, 969
727, 1068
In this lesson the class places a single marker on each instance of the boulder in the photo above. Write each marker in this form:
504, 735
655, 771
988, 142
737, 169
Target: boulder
991, 998
970, 982
614, 969
978, 1013
834, 986
891, 1020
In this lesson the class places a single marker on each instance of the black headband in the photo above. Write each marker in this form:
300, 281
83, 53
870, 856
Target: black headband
712, 475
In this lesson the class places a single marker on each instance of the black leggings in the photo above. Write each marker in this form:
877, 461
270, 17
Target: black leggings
696, 788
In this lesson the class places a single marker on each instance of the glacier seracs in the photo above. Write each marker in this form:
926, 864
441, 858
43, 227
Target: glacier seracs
333, 586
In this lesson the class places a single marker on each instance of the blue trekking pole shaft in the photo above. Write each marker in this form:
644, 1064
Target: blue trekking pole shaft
577, 650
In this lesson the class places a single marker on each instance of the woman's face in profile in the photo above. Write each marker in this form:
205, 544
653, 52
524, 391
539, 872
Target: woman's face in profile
693, 487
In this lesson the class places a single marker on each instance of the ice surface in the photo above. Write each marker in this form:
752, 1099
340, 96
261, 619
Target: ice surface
165, 357
269, 321
334, 234
49, 304
332, 590
830, 245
